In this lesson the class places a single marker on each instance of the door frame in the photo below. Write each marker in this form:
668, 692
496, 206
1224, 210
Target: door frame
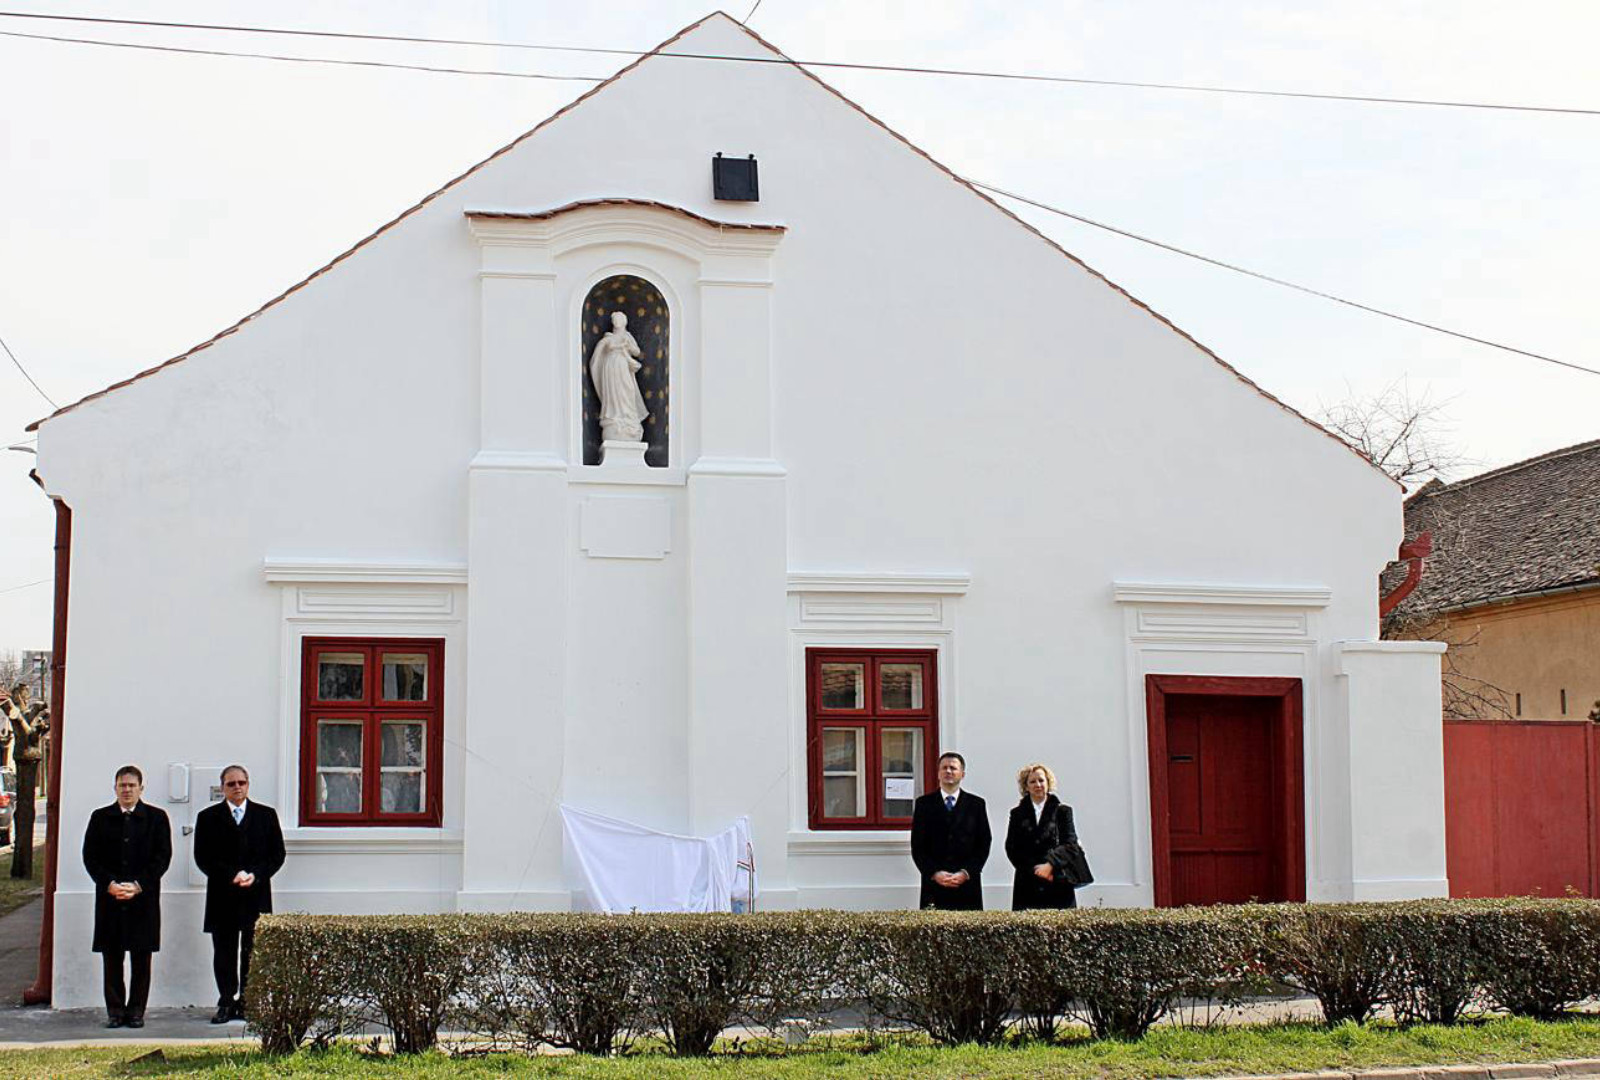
1288, 776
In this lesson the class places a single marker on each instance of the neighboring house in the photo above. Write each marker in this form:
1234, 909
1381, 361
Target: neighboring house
36, 672
912, 478
1514, 585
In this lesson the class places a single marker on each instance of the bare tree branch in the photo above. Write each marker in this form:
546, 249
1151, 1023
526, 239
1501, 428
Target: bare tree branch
1405, 434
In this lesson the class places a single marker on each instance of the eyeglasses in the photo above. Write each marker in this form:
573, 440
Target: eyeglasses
236, 783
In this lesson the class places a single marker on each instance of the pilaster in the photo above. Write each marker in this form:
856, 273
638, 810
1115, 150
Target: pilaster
738, 575
517, 546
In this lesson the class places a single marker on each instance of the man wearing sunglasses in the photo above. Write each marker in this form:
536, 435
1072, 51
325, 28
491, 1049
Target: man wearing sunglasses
238, 846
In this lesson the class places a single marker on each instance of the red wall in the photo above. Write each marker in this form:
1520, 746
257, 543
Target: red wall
1522, 807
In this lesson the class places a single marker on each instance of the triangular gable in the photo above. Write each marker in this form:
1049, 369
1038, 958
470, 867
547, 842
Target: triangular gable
779, 54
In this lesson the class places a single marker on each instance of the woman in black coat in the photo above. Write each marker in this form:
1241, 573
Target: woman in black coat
1042, 844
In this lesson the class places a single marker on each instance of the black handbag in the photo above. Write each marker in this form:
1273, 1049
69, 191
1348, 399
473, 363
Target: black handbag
1072, 867
1070, 863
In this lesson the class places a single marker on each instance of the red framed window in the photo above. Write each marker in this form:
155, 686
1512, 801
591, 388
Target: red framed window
872, 719
371, 731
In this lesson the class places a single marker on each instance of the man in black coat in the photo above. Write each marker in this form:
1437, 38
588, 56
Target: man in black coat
238, 846
950, 841
126, 849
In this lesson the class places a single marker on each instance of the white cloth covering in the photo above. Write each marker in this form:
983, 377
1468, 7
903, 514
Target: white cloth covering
626, 867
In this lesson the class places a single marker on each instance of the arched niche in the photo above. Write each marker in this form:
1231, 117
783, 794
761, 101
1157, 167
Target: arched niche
648, 322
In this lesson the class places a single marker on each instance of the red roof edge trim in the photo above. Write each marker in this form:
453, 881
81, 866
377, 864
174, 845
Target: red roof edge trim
651, 204
836, 93
964, 182
379, 231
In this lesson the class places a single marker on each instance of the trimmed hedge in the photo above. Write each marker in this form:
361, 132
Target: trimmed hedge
593, 983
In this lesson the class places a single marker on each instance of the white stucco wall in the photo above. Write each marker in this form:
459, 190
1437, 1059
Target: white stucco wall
908, 421
1397, 791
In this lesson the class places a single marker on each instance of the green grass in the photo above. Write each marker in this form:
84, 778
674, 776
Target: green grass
14, 892
1166, 1052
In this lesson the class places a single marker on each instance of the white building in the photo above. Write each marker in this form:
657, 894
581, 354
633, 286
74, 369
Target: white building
917, 479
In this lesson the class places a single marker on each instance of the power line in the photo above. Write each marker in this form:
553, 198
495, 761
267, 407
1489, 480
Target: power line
875, 67
297, 59
25, 374
894, 68
1278, 281
29, 585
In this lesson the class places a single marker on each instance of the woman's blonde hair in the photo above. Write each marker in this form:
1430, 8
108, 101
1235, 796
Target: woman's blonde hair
1026, 773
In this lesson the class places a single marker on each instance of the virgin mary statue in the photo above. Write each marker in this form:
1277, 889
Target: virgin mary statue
612, 366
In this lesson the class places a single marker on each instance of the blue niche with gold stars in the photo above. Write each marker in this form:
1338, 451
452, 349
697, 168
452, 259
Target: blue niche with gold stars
646, 310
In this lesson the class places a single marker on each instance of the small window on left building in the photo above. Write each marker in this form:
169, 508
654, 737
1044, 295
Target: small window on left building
371, 731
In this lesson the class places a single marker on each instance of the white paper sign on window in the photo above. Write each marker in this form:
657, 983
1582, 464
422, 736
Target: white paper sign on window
899, 787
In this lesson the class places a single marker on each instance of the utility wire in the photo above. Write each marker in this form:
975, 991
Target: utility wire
897, 68
298, 59
25, 374
1276, 280
704, 56
29, 585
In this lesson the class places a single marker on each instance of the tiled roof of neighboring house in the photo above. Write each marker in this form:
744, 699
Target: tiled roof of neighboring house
1517, 530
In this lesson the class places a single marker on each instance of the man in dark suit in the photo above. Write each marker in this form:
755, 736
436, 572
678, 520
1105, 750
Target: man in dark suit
126, 849
238, 846
950, 841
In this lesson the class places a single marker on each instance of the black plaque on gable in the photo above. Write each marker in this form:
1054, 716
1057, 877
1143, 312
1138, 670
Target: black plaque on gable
646, 310
735, 179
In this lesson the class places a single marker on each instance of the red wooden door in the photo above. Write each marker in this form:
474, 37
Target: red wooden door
1227, 810
1219, 799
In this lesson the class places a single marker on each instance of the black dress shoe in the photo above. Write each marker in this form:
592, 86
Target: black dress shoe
224, 1014
134, 1022
115, 1022
238, 1010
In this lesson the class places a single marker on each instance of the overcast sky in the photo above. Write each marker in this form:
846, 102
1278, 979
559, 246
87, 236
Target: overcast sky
147, 200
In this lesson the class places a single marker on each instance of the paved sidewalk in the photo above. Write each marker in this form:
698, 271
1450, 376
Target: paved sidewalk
35, 1028
39, 1027
19, 952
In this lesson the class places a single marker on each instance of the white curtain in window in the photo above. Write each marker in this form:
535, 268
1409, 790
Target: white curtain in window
626, 867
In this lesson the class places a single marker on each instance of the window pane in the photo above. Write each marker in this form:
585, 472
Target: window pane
900, 686
402, 792
840, 749
339, 744
338, 792
405, 676
902, 752
402, 744
340, 676
844, 784
841, 797
844, 686
902, 770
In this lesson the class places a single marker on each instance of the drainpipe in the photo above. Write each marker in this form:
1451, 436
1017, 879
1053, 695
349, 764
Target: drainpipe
39, 992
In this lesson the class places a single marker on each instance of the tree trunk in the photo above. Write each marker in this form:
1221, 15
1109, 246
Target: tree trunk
22, 819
